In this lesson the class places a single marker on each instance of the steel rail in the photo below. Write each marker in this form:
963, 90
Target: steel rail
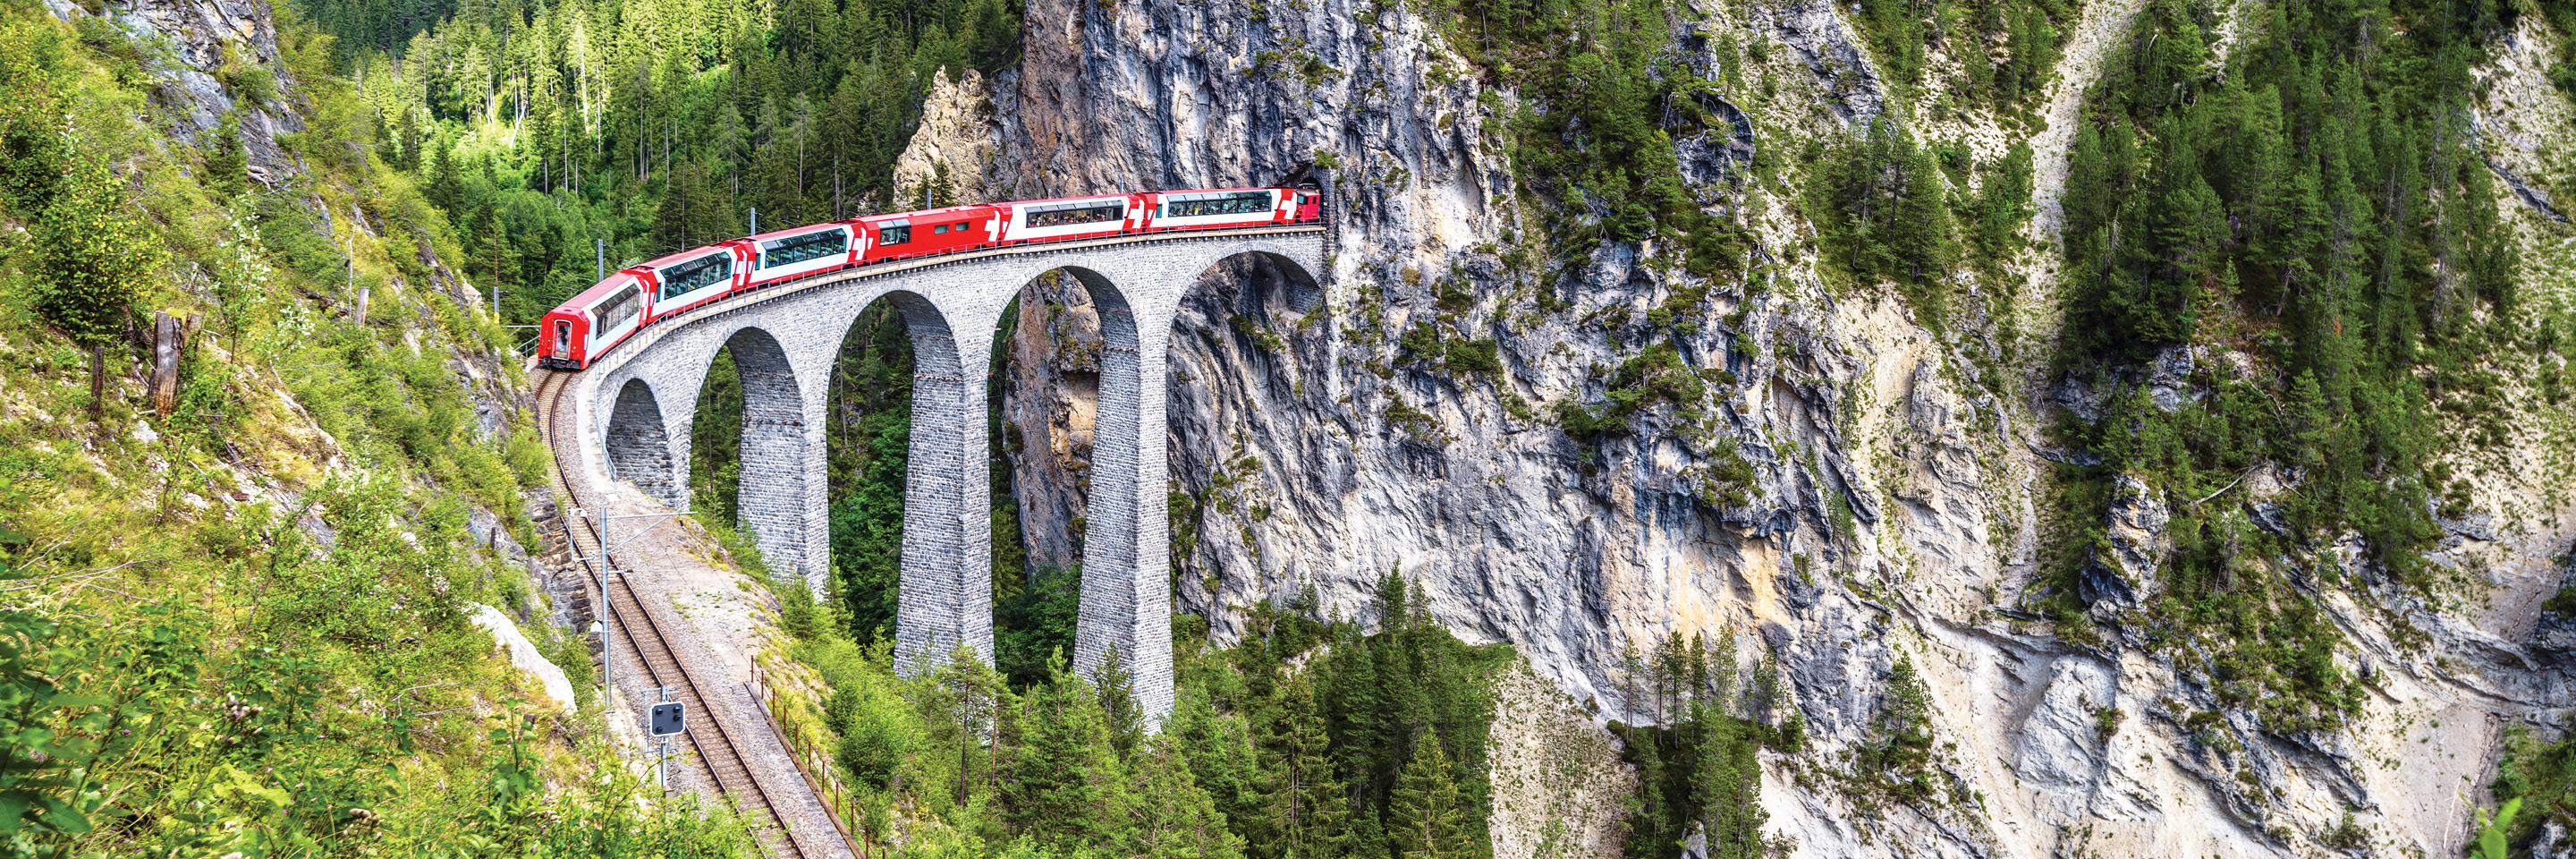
717, 752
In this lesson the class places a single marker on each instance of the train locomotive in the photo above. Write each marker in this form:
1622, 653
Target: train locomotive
596, 320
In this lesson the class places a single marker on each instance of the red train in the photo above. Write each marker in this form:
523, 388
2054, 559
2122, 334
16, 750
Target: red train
616, 308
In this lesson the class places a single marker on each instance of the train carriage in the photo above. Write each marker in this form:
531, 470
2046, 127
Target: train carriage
1071, 218
692, 277
1219, 207
591, 322
912, 234
789, 254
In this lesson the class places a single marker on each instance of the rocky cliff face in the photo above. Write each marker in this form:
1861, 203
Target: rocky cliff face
1891, 513
205, 39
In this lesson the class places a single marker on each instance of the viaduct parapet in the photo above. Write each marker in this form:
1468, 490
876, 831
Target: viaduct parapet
637, 403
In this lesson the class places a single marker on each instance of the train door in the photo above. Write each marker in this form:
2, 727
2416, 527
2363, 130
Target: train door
563, 338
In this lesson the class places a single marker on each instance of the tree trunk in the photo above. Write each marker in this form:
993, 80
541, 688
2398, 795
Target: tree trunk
98, 385
169, 337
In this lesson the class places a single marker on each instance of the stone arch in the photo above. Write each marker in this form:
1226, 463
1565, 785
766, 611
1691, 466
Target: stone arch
1302, 292
945, 596
1126, 604
638, 446
1270, 289
1126, 587
770, 498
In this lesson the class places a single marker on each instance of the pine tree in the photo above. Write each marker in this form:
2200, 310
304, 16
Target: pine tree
1116, 688
1174, 818
446, 189
1424, 818
1066, 785
1905, 731
227, 163
1309, 808
1727, 786
93, 260
1218, 751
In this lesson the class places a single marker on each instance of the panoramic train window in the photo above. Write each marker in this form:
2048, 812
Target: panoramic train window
618, 310
701, 272
810, 246
1196, 205
894, 232
1060, 214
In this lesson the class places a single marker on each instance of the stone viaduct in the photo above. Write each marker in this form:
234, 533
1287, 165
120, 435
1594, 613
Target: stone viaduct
637, 402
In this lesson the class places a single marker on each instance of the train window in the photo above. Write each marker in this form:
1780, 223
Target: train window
618, 310
702, 272
810, 246
942, 228
1062, 214
894, 232
1233, 203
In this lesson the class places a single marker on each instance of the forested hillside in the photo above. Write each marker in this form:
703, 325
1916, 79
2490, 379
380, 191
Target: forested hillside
263, 469
2314, 206
652, 126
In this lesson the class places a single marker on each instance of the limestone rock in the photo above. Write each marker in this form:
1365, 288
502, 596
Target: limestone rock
2124, 569
954, 147
1895, 503
524, 654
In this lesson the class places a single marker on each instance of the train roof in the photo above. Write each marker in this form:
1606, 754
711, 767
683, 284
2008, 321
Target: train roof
596, 292
675, 258
1082, 199
1175, 191
943, 211
792, 231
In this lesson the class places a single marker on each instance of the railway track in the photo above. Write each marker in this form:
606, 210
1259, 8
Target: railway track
718, 756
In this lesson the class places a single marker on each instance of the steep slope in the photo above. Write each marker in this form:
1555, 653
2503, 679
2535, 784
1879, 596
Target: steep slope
267, 595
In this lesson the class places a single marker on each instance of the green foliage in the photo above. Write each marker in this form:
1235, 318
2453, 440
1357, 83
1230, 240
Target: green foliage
2532, 776
32, 72
869, 437
542, 128
301, 716
2491, 830
1423, 814
248, 636
1881, 214
2304, 205
1658, 374
715, 444
1374, 736
2562, 17
2001, 208
1899, 759
1032, 626
1474, 358
2005, 50
1601, 148
93, 259
1697, 757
